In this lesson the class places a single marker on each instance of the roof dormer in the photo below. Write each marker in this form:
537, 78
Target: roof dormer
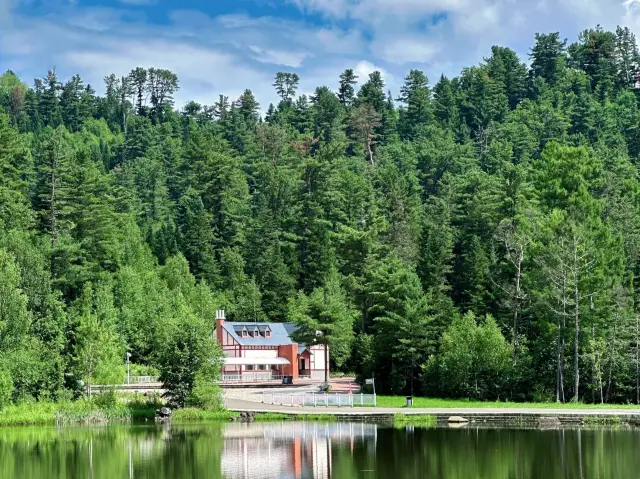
256, 332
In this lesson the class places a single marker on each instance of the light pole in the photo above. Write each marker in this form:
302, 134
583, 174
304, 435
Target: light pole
128, 376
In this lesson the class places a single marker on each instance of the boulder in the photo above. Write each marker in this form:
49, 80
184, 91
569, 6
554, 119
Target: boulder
549, 422
246, 417
163, 414
458, 419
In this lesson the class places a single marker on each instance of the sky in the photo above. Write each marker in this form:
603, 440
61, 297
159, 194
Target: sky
224, 46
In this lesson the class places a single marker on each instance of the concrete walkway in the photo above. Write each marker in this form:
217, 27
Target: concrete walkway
249, 406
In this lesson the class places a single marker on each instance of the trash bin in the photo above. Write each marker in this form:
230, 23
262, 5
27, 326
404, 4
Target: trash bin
287, 379
409, 401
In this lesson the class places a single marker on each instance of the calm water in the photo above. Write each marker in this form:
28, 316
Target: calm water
311, 450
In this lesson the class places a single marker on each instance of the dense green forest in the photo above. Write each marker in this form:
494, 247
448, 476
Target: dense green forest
476, 236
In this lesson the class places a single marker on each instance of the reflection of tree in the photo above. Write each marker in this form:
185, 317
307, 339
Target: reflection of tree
324, 451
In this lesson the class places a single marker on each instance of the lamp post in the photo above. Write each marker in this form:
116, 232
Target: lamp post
128, 376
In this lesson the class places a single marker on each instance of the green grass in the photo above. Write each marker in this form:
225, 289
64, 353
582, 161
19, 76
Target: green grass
83, 411
194, 414
421, 402
414, 419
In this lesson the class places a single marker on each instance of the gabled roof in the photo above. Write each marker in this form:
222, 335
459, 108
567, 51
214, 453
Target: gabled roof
279, 333
302, 348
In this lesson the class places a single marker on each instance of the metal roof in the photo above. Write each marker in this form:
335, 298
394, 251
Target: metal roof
279, 333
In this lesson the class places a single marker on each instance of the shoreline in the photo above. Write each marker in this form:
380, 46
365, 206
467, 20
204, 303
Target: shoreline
537, 417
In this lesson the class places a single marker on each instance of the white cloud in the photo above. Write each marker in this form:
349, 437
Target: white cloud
229, 53
364, 68
291, 59
6, 7
139, 2
405, 49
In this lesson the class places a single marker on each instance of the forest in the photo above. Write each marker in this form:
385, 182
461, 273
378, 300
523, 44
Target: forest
468, 237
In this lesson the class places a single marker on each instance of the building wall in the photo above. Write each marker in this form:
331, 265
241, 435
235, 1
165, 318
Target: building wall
289, 352
260, 353
318, 362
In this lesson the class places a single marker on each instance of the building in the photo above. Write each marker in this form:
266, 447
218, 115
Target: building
266, 351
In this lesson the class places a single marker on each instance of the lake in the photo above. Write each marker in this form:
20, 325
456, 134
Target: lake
294, 450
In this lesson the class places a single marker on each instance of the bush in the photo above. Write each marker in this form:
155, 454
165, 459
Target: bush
6, 388
205, 395
474, 360
106, 399
189, 353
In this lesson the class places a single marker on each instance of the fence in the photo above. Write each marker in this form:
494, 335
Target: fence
254, 377
140, 380
319, 399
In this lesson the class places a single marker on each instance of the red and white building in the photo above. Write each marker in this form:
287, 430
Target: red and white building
266, 351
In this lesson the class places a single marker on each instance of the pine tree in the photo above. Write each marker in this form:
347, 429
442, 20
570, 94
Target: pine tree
346, 91
415, 94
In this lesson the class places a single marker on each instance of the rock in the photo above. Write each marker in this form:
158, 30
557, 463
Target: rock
549, 422
163, 414
458, 419
245, 417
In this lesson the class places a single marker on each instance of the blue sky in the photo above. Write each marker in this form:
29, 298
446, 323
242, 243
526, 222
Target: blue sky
224, 46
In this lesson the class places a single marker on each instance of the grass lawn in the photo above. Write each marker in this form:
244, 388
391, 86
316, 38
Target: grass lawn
421, 402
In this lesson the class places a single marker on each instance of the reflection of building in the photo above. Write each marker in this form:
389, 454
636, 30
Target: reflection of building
260, 351
286, 450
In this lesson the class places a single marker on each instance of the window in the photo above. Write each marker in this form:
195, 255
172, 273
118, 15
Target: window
262, 367
245, 333
267, 333
256, 333
249, 367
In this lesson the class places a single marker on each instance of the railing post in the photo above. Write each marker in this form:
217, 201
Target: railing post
326, 400
361, 400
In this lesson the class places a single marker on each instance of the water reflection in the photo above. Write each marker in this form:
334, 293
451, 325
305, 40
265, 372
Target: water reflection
290, 450
316, 450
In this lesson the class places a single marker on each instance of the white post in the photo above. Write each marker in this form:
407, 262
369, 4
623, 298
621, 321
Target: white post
361, 399
373, 380
326, 400
128, 373
314, 399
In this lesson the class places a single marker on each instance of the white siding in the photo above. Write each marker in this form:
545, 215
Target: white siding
317, 358
260, 353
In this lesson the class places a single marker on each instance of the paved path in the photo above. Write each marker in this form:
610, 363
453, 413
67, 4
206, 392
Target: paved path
240, 405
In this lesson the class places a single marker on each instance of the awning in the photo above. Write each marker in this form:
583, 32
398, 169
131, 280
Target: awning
255, 361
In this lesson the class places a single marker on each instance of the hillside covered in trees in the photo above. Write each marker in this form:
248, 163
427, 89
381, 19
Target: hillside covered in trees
476, 236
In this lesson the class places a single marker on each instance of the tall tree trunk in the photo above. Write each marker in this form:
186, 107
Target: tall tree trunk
613, 346
517, 305
576, 347
52, 200
560, 346
637, 358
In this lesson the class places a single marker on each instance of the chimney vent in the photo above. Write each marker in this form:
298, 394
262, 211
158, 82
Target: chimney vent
219, 314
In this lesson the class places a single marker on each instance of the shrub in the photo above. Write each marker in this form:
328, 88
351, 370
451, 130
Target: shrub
205, 394
6, 388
